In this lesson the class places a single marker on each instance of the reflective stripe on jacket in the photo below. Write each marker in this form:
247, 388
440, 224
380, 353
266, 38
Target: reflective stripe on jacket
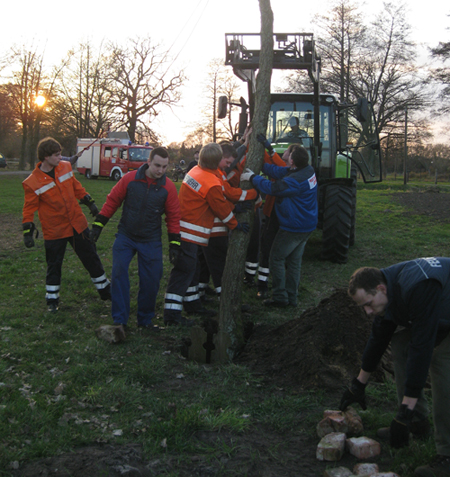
201, 200
233, 194
55, 200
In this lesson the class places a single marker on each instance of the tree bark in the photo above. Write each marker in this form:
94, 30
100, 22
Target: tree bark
230, 320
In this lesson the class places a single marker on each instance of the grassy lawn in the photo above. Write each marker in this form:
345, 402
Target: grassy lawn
62, 388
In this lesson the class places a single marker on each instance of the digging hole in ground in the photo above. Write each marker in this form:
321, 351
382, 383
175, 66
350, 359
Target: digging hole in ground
320, 349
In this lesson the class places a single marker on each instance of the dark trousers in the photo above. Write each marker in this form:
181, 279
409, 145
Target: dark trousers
268, 232
251, 260
215, 256
182, 288
86, 252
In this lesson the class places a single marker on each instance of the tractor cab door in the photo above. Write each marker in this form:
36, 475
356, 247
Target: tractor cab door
359, 140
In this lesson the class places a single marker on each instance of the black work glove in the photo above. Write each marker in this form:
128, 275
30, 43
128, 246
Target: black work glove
355, 393
174, 248
264, 141
89, 201
400, 426
28, 231
243, 227
97, 227
241, 206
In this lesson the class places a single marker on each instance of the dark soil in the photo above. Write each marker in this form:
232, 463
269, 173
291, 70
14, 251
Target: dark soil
429, 202
320, 350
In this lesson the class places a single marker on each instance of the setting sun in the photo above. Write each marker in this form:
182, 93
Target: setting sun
40, 101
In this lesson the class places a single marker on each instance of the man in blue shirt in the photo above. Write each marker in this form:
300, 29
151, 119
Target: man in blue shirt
295, 189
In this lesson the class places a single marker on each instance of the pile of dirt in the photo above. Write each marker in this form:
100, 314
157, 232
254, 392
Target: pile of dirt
321, 349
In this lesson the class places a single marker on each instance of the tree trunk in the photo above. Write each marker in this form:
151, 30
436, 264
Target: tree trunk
230, 321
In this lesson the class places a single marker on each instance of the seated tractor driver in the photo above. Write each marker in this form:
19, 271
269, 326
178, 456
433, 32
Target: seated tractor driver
296, 134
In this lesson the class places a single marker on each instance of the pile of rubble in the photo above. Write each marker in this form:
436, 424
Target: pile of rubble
341, 432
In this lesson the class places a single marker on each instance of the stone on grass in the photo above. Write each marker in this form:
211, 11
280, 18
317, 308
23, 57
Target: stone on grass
333, 421
111, 333
331, 447
363, 447
365, 469
338, 472
354, 422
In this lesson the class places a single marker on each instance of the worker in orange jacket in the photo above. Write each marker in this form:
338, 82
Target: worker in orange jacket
216, 251
201, 200
52, 191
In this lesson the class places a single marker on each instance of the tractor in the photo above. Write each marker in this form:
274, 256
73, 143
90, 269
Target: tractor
341, 139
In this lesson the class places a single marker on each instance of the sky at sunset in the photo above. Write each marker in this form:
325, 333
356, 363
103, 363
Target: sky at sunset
193, 30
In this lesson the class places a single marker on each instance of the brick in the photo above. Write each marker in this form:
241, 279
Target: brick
333, 421
331, 447
365, 469
354, 422
363, 447
338, 472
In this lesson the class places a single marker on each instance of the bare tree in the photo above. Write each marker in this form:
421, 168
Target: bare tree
83, 104
377, 61
143, 84
441, 75
26, 83
343, 33
230, 322
8, 122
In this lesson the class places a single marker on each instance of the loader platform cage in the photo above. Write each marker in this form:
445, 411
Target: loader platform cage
291, 51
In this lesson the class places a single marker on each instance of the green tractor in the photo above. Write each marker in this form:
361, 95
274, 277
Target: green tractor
342, 139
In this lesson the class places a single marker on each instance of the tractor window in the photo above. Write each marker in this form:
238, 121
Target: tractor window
293, 122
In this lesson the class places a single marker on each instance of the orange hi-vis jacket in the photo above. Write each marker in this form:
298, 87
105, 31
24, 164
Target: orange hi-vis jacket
55, 200
270, 199
201, 199
233, 194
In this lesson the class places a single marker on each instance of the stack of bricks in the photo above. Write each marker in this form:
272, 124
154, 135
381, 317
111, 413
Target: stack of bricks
340, 432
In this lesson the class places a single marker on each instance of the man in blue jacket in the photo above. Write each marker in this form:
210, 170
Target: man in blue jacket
410, 303
295, 188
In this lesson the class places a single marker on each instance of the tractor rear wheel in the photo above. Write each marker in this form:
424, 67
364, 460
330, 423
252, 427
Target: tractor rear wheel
337, 223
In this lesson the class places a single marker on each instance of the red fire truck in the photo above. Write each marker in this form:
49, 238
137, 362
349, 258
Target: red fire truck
111, 157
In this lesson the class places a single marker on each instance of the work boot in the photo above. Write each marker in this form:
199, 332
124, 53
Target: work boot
52, 306
105, 293
249, 280
419, 429
275, 303
203, 312
440, 467
262, 294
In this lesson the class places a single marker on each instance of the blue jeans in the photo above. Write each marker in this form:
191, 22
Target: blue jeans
286, 264
150, 269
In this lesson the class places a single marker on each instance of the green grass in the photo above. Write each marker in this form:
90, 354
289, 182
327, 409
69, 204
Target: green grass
61, 388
